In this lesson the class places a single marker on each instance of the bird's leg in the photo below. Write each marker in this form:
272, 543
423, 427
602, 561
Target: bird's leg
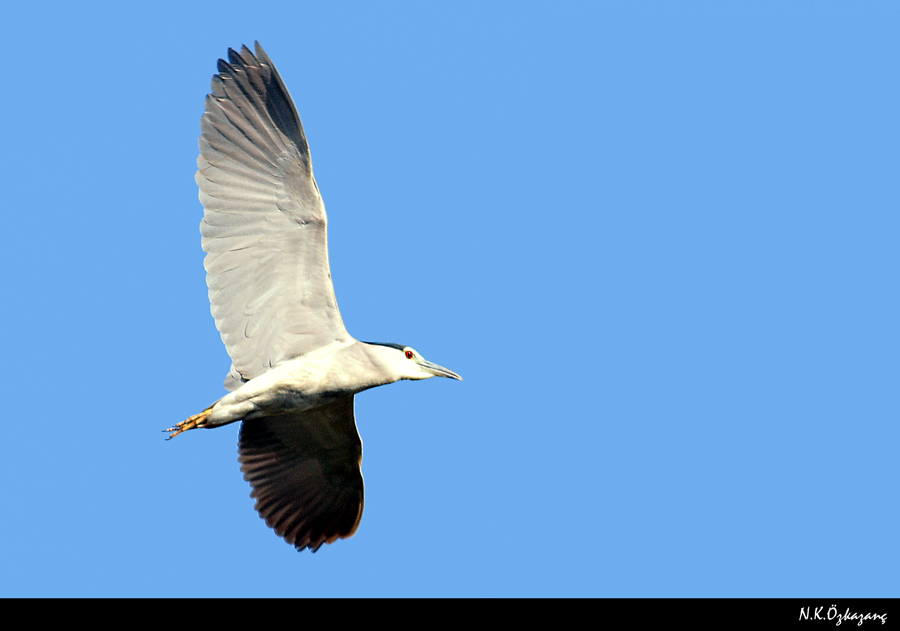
192, 422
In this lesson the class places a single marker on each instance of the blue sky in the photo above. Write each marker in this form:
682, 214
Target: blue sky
661, 249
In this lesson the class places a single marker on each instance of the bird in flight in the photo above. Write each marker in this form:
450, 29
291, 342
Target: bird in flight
295, 368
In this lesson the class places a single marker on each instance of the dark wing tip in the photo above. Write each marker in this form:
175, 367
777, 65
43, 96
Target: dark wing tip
262, 77
224, 68
261, 54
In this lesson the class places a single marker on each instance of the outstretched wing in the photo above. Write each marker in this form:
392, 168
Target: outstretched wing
264, 225
304, 468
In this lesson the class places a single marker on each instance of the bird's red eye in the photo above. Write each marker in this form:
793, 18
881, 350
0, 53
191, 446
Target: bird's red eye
408, 354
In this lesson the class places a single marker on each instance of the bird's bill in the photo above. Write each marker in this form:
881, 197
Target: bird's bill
438, 371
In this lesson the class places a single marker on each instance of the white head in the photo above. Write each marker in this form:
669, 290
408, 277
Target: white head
406, 363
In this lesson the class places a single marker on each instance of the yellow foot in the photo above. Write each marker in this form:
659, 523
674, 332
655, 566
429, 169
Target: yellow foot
192, 422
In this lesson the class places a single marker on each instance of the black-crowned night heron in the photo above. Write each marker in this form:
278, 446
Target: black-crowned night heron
295, 369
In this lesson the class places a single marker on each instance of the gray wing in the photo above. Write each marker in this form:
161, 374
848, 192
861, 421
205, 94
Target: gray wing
304, 468
264, 225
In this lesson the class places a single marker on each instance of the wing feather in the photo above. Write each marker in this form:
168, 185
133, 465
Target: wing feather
264, 227
304, 468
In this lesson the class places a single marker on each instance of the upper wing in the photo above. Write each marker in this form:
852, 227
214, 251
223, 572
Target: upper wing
304, 470
264, 225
